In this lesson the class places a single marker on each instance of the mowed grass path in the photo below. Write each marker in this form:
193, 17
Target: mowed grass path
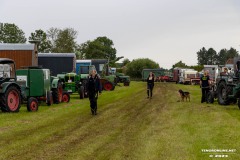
128, 126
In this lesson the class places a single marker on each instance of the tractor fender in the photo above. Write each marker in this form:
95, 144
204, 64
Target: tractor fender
54, 83
4, 86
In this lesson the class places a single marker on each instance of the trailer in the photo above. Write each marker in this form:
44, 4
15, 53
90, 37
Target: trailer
58, 62
21, 54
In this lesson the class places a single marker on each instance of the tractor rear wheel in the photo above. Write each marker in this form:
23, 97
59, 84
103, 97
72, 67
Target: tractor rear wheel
49, 98
57, 93
108, 86
223, 94
65, 97
32, 104
10, 101
81, 92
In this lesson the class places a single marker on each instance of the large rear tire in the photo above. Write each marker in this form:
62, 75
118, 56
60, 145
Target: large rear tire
10, 101
222, 94
32, 104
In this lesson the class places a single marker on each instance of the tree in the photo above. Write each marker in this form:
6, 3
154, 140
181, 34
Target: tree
45, 44
211, 57
10, 33
180, 64
52, 34
125, 61
63, 41
134, 68
221, 60
99, 48
231, 53
202, 56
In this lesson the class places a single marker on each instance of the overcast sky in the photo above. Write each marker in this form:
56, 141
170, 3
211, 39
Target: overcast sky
165, 31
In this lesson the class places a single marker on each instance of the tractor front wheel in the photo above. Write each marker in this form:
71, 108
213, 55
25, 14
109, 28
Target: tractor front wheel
32, 104
49, 98
81, 92
10, 100
65, 97
108, 86
210, 97
57, 94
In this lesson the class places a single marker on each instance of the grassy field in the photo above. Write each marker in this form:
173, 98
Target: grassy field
128, 126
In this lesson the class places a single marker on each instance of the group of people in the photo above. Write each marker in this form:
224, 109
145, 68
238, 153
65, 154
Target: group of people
94, 88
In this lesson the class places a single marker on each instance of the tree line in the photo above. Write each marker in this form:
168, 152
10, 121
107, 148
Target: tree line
56, 40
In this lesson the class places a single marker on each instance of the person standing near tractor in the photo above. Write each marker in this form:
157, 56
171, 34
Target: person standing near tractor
150, 84
205, 85
94, 89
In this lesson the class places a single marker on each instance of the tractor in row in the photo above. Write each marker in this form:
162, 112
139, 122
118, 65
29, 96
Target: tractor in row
226, 87
28, 85
73, 82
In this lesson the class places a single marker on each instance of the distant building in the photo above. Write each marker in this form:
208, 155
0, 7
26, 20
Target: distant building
23, 54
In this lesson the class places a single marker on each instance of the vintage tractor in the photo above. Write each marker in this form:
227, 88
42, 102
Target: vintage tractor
121, 78
10, 91
73, 82
37, 85
226, 89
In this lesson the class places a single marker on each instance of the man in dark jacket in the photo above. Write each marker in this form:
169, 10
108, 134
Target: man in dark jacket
93, 87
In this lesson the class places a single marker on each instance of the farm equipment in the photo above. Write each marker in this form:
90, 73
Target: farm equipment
226, 89
37, 85
121, 78
10, 91
73, 82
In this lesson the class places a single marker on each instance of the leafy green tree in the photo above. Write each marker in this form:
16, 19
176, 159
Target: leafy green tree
125, 61
11, 33
222, 57
134, 68
52, 35
231, 53
65, 41
202, 56
180, 64
99, 48
45, 44
211, 57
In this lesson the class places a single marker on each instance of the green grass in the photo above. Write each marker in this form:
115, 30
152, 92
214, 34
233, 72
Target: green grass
128, 126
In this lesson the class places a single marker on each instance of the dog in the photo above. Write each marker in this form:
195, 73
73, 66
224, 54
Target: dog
184, 95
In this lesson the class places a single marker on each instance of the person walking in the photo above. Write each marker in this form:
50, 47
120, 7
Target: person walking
94, 89
150, 84
205, 86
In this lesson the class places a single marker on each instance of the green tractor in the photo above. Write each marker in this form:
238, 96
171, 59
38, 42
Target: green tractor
73, 82
121, 78
37, 85
10, 91
226, 89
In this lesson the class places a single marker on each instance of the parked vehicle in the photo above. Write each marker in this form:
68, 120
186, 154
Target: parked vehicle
38, 85
10, 91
